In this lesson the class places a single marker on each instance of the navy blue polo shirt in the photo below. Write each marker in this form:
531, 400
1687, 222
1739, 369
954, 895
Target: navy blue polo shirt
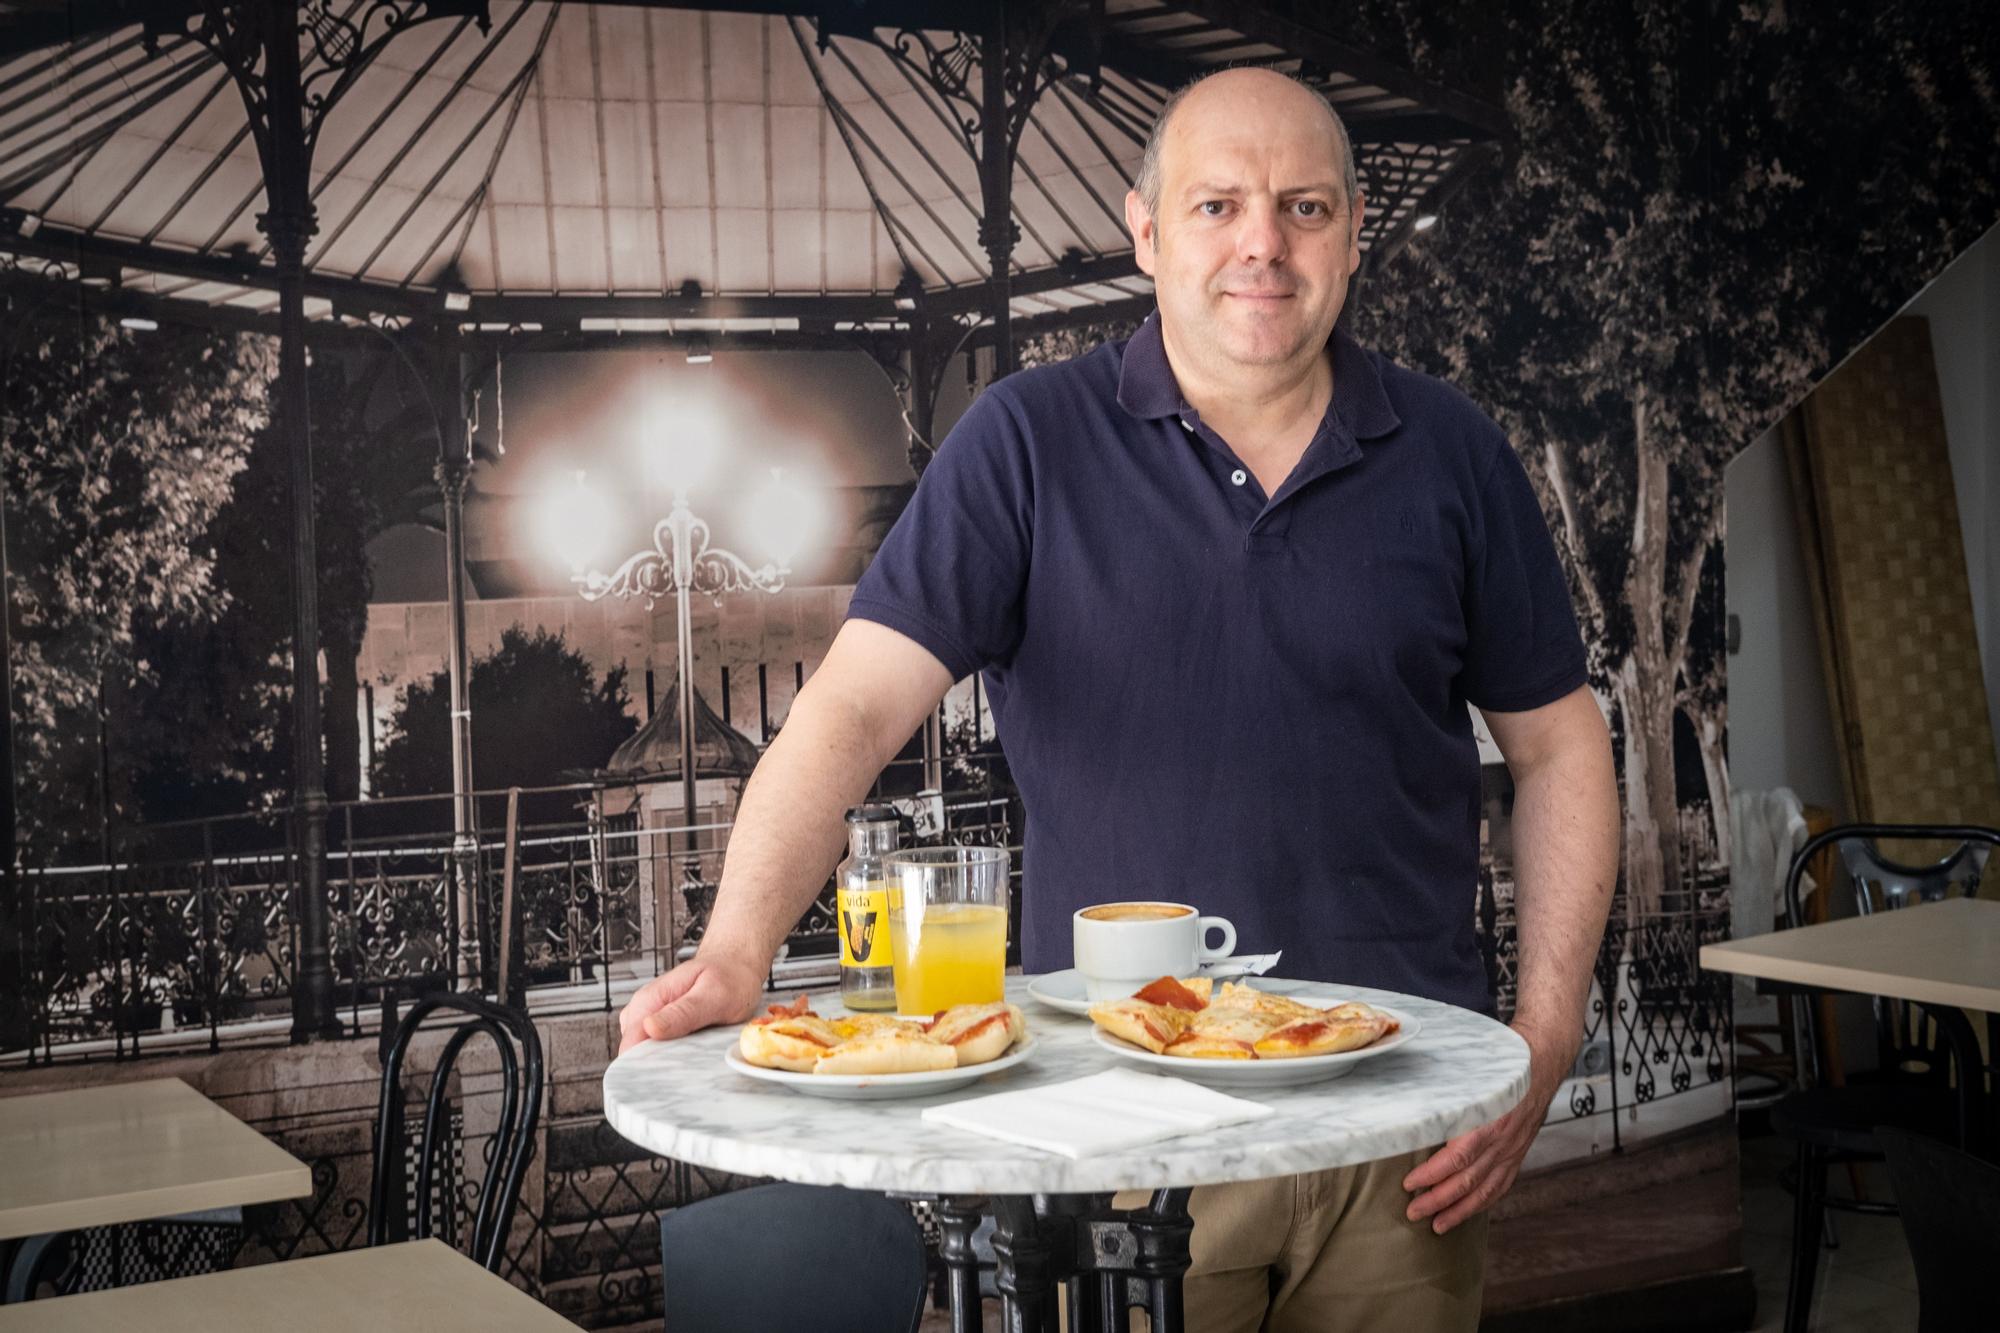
1254, 704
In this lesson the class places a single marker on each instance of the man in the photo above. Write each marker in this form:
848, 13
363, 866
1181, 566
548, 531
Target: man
1233, 584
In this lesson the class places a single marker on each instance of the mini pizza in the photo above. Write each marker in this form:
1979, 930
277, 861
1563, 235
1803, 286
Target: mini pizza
1277, 1008
1152, 1026
793, 1038
1196, 1045
979, 1032
1243, 1025
790, 1037
887, 1053
1190, 994
1321, 1035
1184, 1017
850, 1026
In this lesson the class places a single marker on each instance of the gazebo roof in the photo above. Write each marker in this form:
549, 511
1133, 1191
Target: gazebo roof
741, 168
654, 750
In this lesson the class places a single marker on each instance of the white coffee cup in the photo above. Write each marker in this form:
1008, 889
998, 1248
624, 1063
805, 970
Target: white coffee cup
1122, 946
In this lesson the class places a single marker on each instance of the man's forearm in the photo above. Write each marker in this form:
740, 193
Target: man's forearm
1565, 833
789, 832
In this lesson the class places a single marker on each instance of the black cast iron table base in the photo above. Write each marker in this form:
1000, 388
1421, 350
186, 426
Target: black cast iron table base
1110, 1260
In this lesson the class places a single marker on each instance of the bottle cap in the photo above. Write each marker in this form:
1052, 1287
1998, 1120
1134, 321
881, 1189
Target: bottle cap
874, 814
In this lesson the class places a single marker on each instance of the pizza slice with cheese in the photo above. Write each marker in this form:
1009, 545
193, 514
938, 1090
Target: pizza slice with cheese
790, 1037
1152, 1026
1321, 1034
979, 1032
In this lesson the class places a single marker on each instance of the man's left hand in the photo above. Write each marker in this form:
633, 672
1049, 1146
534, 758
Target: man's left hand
1471, 1172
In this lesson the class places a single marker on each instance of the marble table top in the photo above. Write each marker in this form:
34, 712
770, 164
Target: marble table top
679, 1099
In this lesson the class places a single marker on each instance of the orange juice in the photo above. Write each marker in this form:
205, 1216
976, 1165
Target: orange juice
947, 954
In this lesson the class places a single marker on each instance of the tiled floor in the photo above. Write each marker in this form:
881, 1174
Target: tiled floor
1865, 1285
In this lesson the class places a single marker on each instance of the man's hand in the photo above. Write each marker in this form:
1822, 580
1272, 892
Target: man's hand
699, 993
1470, 1173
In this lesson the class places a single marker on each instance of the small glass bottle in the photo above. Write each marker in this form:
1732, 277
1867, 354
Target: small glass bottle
867, 979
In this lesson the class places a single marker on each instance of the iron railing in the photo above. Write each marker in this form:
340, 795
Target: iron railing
201, 932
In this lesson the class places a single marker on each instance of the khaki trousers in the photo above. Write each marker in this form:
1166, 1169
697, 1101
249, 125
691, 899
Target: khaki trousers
1327, 1252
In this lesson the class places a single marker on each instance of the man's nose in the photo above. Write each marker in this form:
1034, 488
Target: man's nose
1259, 236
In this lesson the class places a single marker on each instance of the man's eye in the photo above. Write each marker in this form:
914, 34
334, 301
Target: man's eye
1212, 207
1311, 208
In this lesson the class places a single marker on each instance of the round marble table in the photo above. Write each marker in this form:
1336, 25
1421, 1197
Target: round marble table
680, 1100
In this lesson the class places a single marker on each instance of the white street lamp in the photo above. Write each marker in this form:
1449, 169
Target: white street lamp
682, 562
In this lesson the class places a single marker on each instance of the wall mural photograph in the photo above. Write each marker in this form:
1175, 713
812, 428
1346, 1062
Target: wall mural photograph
443, 442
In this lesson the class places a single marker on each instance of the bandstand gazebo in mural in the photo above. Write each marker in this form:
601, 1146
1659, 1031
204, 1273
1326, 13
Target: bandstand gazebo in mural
641, 798
468, 179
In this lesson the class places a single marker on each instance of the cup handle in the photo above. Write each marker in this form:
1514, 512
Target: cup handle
1228, 946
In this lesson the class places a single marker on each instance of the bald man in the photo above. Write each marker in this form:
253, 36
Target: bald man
1233, 584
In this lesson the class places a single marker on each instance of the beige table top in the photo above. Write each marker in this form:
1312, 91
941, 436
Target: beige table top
1940, 953
424, 1286
129, 1151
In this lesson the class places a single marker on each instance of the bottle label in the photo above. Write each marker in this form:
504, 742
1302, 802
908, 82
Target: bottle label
864, 927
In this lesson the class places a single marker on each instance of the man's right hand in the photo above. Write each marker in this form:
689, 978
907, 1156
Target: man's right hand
701, 992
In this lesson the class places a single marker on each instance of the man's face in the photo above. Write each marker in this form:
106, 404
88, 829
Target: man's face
1253, 244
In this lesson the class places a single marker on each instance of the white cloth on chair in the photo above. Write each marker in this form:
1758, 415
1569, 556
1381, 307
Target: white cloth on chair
1766, 829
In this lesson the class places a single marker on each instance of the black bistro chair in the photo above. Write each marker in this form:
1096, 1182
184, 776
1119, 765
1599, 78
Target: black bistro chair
1950, 1204
520, 1049
1920, 1046
868, 1248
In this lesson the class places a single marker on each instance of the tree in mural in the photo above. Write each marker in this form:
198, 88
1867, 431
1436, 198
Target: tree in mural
1664, 267
121, 448
541, 716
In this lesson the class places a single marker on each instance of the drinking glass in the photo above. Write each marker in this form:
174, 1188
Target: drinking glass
947, 926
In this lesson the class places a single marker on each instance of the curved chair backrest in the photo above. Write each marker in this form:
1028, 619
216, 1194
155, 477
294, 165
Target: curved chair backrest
520, 1049
737, 1260
1949, 1202
1898, 884
1882, 885
1905, 1037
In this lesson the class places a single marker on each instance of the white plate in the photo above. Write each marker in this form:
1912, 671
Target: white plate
1264, 1073
878, 1087
1064, 990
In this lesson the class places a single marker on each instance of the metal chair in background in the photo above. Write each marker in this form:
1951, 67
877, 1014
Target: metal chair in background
1915, 1090
391, 1215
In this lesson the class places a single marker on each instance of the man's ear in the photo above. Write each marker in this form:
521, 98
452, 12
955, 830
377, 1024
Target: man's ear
1139, 221
1354, 218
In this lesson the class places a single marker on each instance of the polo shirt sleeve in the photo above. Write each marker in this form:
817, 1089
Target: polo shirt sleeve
950, 573
1522, 645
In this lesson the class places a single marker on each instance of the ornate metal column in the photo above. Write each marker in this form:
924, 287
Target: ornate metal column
1011, 51
998, 232
13, 914
454, 470
267, 47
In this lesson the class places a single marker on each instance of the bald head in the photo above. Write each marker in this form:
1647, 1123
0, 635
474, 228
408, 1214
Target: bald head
1212, 94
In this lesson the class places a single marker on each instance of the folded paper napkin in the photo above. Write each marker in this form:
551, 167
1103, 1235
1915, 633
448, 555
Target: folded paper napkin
1241, 965
1101, 1113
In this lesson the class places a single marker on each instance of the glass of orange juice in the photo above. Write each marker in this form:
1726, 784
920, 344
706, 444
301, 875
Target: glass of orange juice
947, 926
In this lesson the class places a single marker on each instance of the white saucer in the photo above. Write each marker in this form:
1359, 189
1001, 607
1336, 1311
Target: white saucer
1264, 1073
878, 1087
1064, 990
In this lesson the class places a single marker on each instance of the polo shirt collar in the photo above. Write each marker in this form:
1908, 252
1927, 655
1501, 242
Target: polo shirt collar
1148, 390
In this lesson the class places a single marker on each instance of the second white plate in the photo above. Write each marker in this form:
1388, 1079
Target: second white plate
1265, 1073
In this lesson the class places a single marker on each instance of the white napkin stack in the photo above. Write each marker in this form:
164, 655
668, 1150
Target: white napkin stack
1101, 1113
1241, 965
